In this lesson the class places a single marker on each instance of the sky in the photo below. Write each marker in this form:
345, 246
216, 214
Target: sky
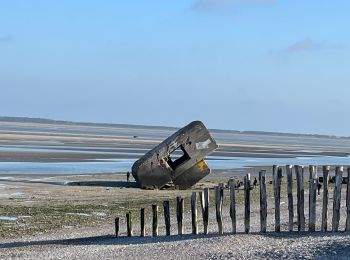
265, 65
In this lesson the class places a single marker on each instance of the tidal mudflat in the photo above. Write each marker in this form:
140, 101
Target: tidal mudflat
69, 179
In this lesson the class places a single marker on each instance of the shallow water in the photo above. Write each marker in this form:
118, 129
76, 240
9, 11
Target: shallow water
6, 218
108, 166
10, 195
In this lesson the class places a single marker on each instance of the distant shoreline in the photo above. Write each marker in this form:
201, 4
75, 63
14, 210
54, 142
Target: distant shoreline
214, 130
80, 149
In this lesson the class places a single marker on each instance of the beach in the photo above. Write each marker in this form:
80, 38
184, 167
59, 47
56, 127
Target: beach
62, 185
91, 238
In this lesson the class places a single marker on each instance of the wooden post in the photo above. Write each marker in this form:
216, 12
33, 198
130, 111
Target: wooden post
129, 223
247, 203
347, 188
205, 209
325, 198
179, 214
312, 197
142, 222
233, 204
289, 171
337, 198
277, 178
218, 202
300, 197
263, 200
347, 226
166, 207
194, 213
116, 224
155, 220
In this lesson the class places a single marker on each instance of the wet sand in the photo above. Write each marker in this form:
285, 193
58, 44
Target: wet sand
33, 142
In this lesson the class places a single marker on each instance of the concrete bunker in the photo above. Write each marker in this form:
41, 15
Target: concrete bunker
179, 159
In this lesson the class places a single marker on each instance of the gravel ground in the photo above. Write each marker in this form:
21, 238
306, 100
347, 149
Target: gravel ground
241, 246
99, 243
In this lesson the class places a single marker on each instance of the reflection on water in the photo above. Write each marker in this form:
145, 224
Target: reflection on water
107, 166
72, 149
241, 162
65, 168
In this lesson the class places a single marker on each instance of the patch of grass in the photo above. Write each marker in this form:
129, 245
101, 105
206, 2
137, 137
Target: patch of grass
45, 217
49, 215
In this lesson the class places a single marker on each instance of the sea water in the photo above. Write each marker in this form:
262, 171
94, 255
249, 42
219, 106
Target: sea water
123, 165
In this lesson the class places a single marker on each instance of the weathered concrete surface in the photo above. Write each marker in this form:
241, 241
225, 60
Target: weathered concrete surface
178, 159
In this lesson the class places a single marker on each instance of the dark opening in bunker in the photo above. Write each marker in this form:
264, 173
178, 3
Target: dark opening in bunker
176, 162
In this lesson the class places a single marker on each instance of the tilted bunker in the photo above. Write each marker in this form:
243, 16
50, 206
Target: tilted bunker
179, 159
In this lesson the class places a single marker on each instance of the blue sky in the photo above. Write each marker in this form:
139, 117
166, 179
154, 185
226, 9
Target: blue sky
268, 65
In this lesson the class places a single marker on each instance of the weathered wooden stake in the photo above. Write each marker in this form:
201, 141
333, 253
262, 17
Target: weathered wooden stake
277, 178
263, 201
347, 190
289, 171
337, 198
347, 226
166, 207
129, 223
116, 224
218, 202
347, 187
325, 198
155, 220
179, 214
247, 203
194, 213
312, 197
205, 209
142, 222
233, 204
300, 197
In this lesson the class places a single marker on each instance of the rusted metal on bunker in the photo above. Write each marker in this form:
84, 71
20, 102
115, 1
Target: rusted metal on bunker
178, 159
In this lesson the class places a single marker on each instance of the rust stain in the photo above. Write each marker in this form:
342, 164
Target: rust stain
202, 165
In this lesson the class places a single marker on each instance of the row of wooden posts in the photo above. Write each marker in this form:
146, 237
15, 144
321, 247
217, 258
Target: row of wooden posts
276, 181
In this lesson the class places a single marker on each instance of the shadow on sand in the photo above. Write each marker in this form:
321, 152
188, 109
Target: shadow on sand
122, 240
112, 184
116, 184
107, 240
